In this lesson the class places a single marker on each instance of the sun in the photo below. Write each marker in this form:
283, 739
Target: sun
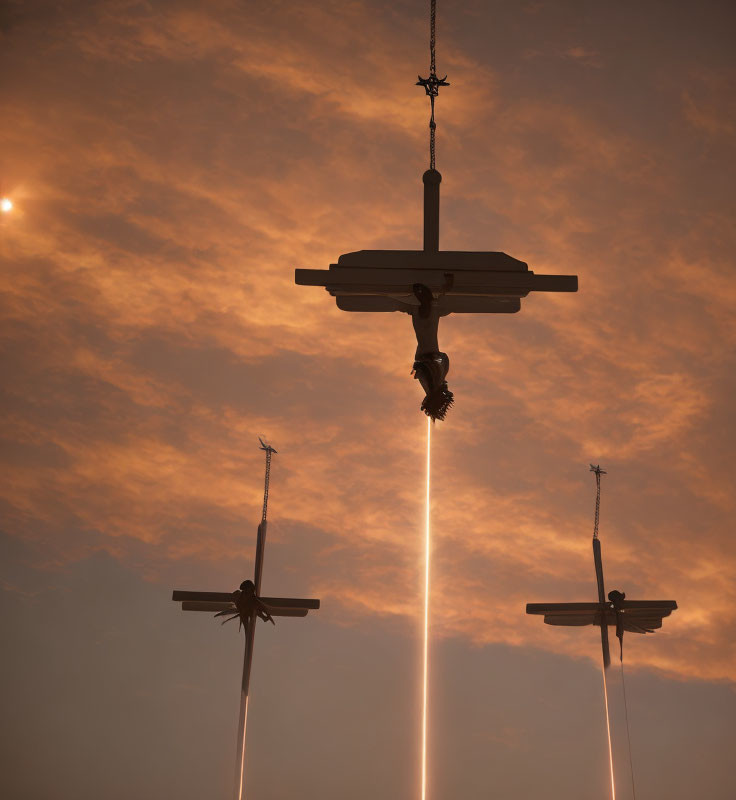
6, 205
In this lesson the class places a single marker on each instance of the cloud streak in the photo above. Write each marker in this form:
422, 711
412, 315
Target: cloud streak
171, 165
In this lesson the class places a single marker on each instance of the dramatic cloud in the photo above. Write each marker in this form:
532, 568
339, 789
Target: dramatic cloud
172, 163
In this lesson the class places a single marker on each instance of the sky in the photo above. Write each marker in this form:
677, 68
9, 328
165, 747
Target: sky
170, 164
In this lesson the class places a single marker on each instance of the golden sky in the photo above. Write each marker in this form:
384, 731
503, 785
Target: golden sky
171, 163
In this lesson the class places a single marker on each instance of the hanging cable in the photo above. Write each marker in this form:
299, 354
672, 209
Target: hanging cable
628, 732
432, 83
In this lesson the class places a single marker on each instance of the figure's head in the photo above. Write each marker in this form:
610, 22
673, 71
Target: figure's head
248, 587
616, 597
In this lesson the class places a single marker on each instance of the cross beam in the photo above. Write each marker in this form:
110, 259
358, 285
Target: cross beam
635, 616
460, 281
233, 602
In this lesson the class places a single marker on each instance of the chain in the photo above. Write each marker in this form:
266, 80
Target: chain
432, 83
268, 480
269, 452
432, 71
432, 129
598, 472
432, 26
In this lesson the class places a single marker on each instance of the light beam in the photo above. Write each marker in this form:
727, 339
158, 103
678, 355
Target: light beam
241, 754
608, 728
426, 616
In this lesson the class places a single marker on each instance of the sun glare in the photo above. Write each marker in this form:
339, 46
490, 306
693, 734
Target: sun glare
6, 205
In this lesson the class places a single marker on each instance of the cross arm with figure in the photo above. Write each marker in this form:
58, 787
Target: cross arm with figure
429, 284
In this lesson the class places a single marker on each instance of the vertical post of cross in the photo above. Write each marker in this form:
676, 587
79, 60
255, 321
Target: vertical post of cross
432, 180
250, 630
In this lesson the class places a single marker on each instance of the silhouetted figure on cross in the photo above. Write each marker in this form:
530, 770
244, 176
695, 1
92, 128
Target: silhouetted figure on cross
247, 605
431, 365
429, 284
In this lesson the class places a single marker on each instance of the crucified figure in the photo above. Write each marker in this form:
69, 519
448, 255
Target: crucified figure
431, 365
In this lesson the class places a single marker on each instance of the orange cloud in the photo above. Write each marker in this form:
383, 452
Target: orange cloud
152, 327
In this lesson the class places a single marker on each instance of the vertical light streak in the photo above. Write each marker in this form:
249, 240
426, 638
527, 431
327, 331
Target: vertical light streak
426, 616
250, 632
242, 751
608, 728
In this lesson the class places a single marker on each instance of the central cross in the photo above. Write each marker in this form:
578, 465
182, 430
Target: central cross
429, 284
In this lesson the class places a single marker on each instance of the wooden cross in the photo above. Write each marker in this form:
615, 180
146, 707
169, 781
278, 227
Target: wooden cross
461, 282
636, 616
246, 604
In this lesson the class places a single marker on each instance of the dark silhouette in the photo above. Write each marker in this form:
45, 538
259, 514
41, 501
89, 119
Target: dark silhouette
636, 616
430, 365
429, 284
247, 602
246, 605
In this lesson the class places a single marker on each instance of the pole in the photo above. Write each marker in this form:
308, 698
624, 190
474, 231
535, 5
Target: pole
432, 180
598, 561
250, 633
